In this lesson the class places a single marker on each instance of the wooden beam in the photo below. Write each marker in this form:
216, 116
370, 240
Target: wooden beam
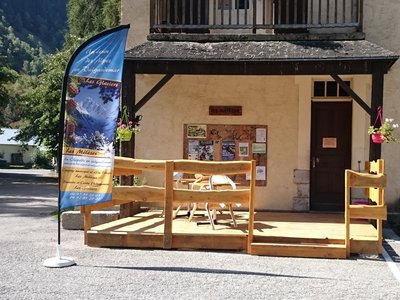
212, 167
212, 196
128, 148
376, 101
365, 180
128, 163
353, 94
255, 67
368, 212
123, 194
168, 199
152, 92
250, 236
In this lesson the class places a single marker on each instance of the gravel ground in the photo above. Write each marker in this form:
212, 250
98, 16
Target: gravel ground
28, 236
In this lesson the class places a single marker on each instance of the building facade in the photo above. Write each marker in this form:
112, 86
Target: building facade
307, 77
13, 152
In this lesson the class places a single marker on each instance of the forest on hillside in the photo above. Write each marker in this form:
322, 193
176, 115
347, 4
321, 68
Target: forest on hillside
37, 39
30, 29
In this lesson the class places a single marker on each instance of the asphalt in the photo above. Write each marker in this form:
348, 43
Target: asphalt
28, 236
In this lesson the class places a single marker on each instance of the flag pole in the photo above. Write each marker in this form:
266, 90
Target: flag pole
59, 261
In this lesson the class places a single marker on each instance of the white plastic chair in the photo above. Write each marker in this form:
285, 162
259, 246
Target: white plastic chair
199, 185
214, 182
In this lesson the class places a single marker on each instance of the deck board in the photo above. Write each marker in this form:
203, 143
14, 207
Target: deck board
147, 228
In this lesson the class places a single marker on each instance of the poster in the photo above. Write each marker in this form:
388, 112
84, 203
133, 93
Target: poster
195, 131
261, 135
91, 94
260, 173
244, 149
206, 150
193, 150
228, 150
260, 148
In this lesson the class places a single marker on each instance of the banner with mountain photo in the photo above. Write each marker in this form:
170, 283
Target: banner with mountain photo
89, 112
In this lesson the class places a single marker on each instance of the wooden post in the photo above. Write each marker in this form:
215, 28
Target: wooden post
376, 101
346, 212
127, 149
168, 200
87, 221
251, 206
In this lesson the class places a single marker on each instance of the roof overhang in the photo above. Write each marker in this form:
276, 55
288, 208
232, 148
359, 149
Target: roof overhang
260, 58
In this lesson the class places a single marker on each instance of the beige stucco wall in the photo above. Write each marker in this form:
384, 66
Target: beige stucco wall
271, 101
137, 14
382, 26
282, 103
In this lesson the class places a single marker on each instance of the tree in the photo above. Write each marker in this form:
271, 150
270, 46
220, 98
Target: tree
42, 106
111, 13
85, 17
99, 15
6, 76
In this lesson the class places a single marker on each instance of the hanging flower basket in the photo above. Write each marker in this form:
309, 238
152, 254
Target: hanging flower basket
382, 131
125, 135
377, 138
126, 127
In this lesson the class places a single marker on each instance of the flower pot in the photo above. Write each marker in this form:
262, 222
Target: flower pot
377, 138
125, 136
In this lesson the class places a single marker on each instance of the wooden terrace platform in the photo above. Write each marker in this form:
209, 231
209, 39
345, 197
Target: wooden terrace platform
275, 233
257, 233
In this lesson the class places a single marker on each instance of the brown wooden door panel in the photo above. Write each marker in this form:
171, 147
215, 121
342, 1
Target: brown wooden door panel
330, 154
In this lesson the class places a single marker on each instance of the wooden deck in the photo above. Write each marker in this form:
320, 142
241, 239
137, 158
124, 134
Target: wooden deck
276, 234
257, 233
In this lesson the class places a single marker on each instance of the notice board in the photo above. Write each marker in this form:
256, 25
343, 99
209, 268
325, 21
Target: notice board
221, 142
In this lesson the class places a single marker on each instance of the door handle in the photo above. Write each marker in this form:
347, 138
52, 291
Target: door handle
314, 161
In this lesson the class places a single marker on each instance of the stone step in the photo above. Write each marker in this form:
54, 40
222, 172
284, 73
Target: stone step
73, 220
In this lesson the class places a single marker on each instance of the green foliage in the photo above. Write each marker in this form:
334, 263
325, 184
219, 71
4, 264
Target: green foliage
18, 54
99, 15
91, 22
6, 76
111, 13
40, 23
41, 159
39, 106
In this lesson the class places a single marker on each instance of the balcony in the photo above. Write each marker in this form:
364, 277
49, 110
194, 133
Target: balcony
257, 17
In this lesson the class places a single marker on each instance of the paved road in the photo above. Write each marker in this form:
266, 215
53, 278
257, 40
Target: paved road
28, 236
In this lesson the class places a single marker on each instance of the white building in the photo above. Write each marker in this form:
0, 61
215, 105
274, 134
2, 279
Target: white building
12, 151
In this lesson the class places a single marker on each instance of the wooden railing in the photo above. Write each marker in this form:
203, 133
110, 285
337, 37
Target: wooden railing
374, 182
169, 196
188, 16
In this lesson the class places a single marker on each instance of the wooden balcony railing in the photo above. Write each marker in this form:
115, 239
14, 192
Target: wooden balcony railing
271, 16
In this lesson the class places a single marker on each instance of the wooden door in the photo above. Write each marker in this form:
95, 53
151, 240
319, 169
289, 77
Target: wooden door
330, 154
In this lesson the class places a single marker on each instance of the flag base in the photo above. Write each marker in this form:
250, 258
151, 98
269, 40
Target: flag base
58, 261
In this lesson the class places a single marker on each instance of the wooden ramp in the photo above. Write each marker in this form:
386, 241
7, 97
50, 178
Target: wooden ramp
275, 234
